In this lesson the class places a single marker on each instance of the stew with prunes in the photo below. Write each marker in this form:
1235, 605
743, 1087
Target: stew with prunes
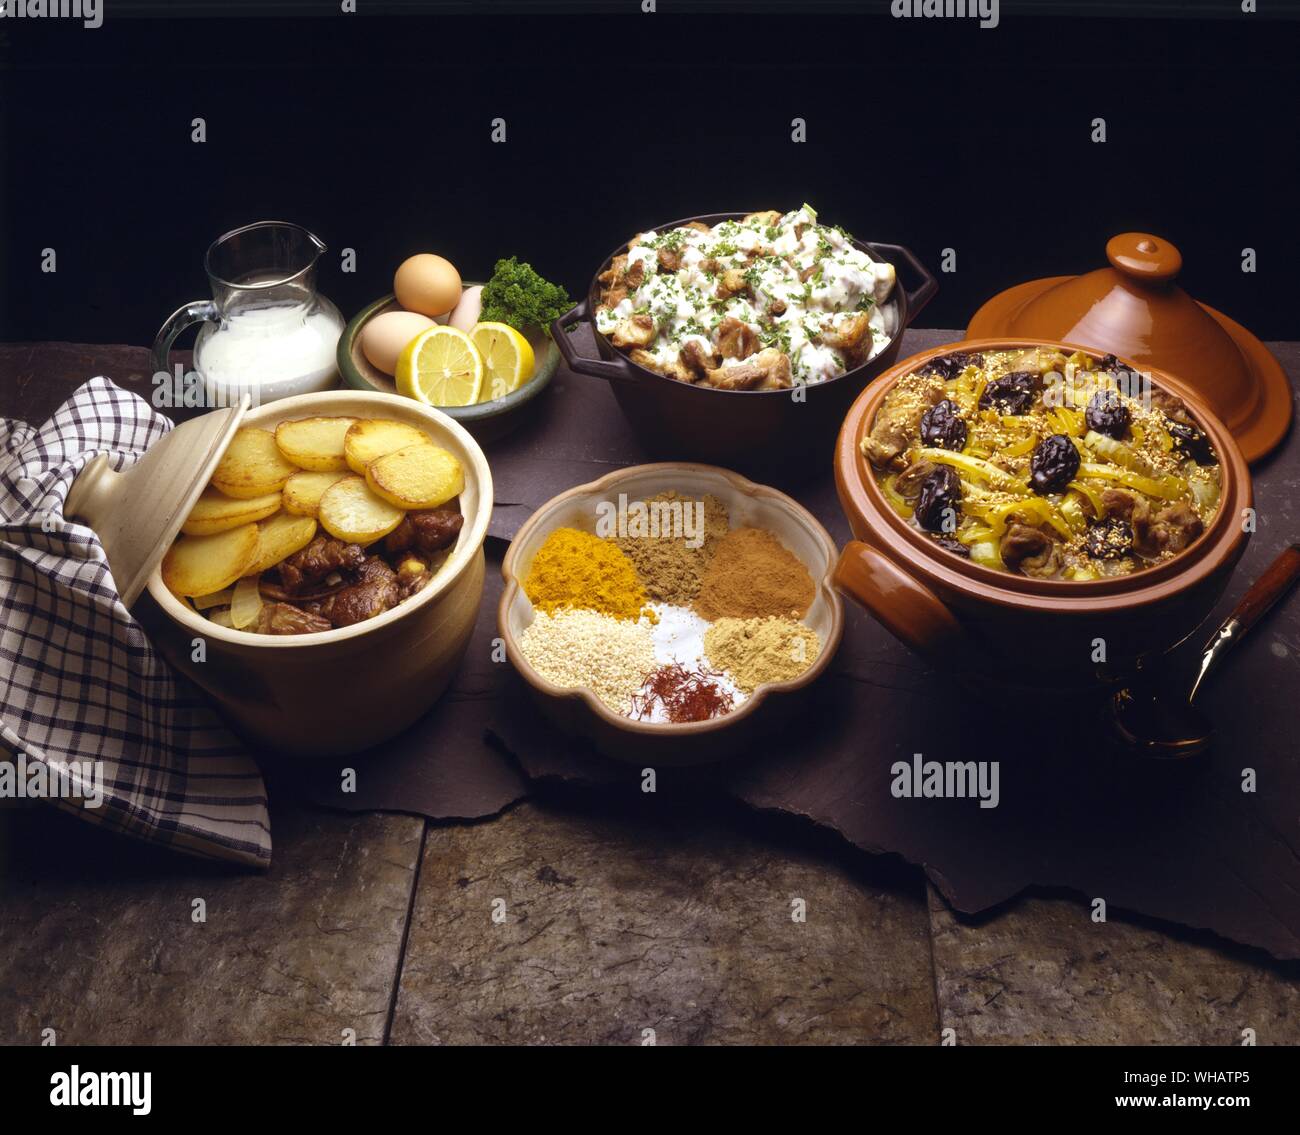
1052, 466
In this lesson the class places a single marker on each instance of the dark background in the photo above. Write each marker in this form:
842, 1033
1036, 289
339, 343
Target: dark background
373, 131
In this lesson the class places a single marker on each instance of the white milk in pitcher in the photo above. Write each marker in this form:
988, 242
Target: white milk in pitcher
271, 352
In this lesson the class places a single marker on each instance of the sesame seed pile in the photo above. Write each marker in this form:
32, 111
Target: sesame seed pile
586, 648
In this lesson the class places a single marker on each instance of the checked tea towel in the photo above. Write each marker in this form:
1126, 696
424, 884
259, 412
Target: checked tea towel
80, 682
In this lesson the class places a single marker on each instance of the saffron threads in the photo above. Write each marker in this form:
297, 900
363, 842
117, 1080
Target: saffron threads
685, 695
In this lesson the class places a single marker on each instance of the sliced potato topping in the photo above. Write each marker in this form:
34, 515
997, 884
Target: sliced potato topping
419, 476
252, 466
350, 511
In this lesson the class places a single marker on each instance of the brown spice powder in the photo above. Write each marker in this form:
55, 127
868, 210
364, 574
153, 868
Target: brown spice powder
670, 570
753, 574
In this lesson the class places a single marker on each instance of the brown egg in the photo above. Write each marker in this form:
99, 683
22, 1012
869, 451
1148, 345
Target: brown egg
427, 284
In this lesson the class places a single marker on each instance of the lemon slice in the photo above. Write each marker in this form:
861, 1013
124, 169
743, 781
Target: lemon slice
440, 367
507, 357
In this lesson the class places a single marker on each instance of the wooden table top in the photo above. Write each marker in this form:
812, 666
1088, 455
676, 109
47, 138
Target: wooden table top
616, 921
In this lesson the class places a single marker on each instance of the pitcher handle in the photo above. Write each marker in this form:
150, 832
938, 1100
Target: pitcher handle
200, 311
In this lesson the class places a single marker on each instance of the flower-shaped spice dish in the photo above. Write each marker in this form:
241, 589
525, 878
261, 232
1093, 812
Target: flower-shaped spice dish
758, 519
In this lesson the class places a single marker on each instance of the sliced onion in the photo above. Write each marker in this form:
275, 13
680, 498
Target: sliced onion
216, 599
246, 604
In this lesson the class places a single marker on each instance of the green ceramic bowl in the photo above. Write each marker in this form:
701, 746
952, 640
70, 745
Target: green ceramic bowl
485, 420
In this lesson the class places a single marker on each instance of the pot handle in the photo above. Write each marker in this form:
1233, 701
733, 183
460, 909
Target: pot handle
909, 610
924, 293
597, 368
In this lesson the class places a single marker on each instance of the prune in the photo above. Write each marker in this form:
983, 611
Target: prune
1011, 394
939, 500
1108, 415
941, 426
1110, 539
1053, 465
1190, 441
953, 545
949, 367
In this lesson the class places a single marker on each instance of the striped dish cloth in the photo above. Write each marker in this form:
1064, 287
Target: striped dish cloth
91, 716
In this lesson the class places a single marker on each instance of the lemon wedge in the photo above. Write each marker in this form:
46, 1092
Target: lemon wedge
440, 367
507, 357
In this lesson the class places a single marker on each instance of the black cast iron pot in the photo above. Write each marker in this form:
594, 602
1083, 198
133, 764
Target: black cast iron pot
773, 435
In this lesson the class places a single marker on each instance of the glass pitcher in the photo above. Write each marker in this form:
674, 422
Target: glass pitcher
266, 331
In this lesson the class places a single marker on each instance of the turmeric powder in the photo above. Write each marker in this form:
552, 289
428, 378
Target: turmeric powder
576, 570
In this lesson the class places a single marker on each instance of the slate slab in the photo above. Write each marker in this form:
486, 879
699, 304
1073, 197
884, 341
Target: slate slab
99, 942
612, 922
1043, 972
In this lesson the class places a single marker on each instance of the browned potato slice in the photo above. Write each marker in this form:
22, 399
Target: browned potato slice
200, 565
252, 466
314, 443
350, 511
371, 438
215, 512
302, 492
279, 538
419, 476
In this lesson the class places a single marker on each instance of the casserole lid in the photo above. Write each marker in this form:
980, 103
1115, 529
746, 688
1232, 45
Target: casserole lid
137, 513
1134, 309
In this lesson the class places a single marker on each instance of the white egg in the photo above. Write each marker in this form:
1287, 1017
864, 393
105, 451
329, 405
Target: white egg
466, 313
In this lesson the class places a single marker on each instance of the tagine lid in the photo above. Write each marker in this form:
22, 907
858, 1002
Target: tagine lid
1135, 309
138, 512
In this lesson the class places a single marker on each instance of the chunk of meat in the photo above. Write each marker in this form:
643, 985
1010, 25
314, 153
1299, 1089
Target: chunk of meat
671, 369
767, 370
898, 423
634, 277
908, 483
285, 618
613, 296
412, 575
1117, 504
426, 531
1169, 529
305, 569
373, 593
734, 339
1170, 405
852, 336
776, 307
614, 273
697, 359
635, 331
1031, 550
732, 283
670, 259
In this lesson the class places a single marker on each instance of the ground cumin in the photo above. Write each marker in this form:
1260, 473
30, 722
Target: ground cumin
574, 570
666, 566
754, 651
753, 574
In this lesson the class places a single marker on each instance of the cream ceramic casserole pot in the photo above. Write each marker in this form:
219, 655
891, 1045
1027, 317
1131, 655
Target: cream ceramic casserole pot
342, 690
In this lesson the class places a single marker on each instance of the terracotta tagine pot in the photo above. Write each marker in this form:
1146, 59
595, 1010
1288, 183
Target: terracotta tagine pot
1011, 629
1135, 309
